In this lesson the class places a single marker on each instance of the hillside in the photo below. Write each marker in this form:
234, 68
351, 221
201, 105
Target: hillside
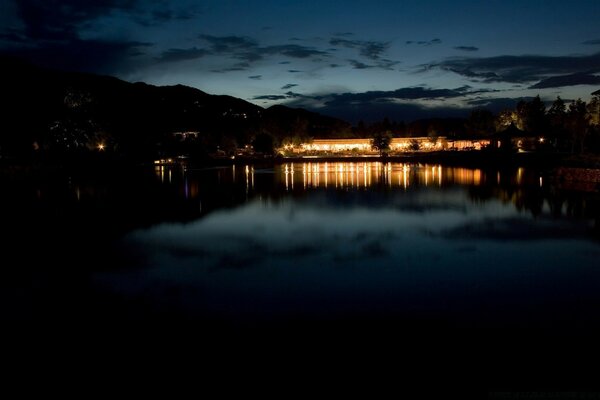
56, 112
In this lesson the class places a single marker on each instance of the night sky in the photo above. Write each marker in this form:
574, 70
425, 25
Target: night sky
351, 59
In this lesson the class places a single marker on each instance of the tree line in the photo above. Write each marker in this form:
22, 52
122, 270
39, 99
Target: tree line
572, 127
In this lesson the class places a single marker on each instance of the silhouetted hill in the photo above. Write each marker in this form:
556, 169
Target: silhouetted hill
61, 113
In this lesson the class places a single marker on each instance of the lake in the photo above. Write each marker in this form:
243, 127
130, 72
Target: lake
479, 263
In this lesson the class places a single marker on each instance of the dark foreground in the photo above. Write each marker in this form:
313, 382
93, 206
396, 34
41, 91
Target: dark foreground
63, 231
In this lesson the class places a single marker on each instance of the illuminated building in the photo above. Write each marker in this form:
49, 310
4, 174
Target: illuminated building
363, 146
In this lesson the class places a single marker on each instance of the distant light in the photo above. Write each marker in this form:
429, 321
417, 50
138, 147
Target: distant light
101, 146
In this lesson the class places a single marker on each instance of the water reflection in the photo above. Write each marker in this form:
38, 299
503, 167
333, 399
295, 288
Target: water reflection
318, 238
386, 238
526, 189
346, 175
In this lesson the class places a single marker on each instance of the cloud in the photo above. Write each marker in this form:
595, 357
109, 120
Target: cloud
346, 34
255, 77
292, 50
519, 69
242, 66
105, 57
377, 111
250, 51
52, 31
174, 55
223, 44
372, 50
402, 104
284, 62
13, 35
591, 42
466, 48
409, 93
383, 64
498, 103
270, 97
359, 65
293, 71
62, 20
289, 86
567, 80
47, 20
382, 97
425, 42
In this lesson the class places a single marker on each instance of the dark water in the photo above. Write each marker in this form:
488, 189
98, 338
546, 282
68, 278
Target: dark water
429, 263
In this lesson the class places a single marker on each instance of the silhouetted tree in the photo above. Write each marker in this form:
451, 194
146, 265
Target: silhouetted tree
264, 143
381, 142
577, 124
557, 114
480, 123
593, 114
535, 116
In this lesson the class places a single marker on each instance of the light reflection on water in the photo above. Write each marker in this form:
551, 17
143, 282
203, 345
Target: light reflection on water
327, 238
359, 175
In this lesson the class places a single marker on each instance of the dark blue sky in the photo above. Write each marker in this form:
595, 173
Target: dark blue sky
353, 59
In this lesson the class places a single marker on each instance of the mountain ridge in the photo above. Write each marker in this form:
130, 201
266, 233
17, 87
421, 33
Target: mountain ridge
60, 112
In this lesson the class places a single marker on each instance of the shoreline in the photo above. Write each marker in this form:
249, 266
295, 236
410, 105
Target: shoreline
473, 159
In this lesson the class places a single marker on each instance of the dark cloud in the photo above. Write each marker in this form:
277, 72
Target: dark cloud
223, 44
377, 111
292, 50
249, 50
424, 42
99, 56
383, 64
284, 62
51, 29
61, 19
359, 65
294, 95
466, 48
242, 66
174, 55
567, 80
591, 42
270, 97
409, 93
334, 65
383, 97
498, 103
162, 15
255, 77
289, 86
346, 34
519, 69
294, 71
13, 35
370, 49
401, 104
